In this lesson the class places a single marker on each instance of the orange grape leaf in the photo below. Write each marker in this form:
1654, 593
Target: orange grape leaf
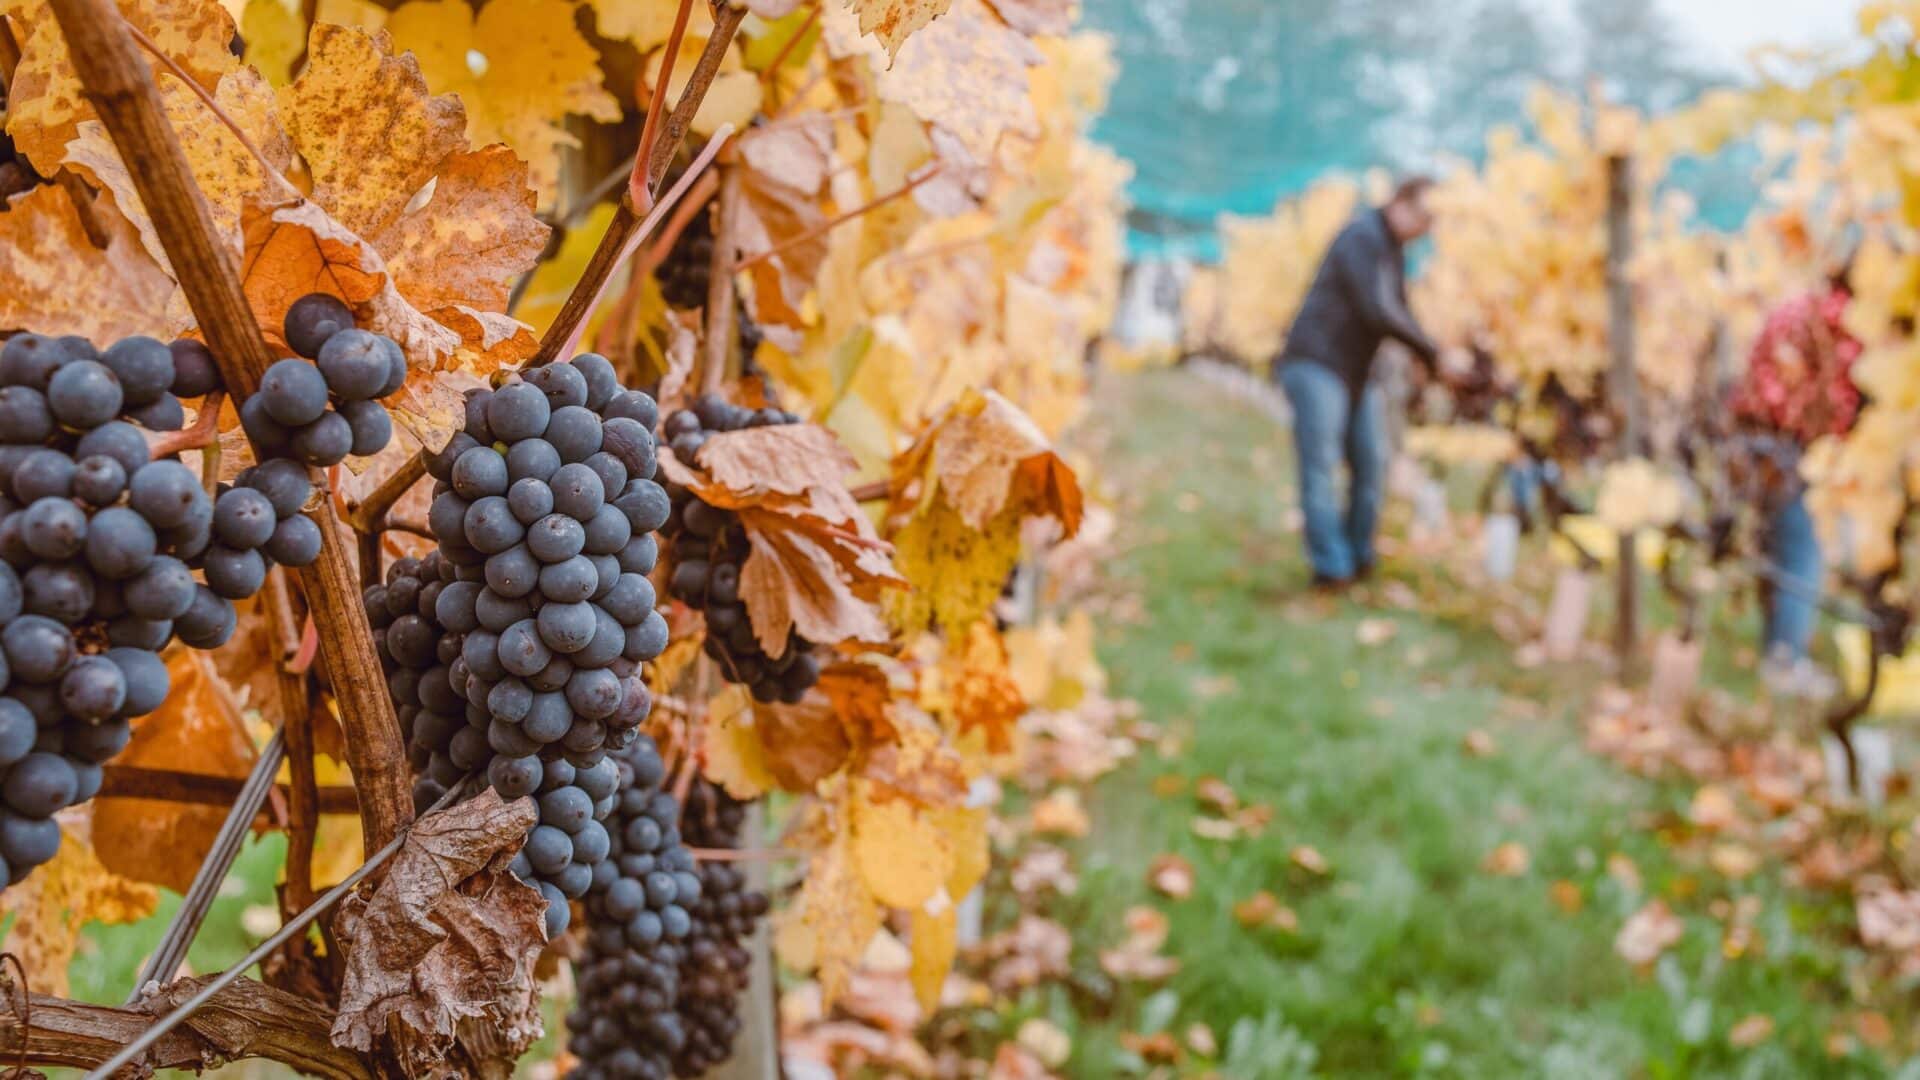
985, 697
935, 942
920, 765
805, 743
520, 67
54, 902
467, 242
199, 729
53, 280
863, 697
448, 937
45, 103
904, 857
809, 580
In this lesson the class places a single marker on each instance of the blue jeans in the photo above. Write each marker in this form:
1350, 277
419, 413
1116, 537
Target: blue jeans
1328, 427
1794, 548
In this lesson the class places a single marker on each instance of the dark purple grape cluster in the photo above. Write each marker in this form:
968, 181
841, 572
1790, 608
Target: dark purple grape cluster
687, 272
708, 548
624, 1023
715, 965
323, 405
99, 545
526, 666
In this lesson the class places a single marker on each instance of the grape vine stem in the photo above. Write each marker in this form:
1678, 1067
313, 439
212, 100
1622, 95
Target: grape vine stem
627, 218
826, 227
205, 430
121, 87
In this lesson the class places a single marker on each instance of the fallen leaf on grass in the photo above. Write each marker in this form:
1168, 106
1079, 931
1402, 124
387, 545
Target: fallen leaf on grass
1310, 860
1012, 1062
1622, 870
1171, 876
1479, 744
1208, 687
1158, 1049
1046, 1042
1375, 632
1210, 828
1508, 860
1060, 814
1751, 1032
1733, 861
1712, 808
1567, 897
1201, 1040
1649, 932
1167, 785
1042, 869
1214, 792
1874, 1029
1263, 909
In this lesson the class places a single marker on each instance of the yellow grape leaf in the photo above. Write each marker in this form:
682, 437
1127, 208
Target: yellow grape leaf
732, 755
904, 857
838, 915
935, 942
276, 35
647, 23
967, 73
966, 829
957, 571
224, 170
55, 901
893, 21
199, 729
45, 102
53, 280
370, 132
520, 67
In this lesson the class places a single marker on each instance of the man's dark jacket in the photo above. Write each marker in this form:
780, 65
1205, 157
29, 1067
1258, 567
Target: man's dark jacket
1358, 299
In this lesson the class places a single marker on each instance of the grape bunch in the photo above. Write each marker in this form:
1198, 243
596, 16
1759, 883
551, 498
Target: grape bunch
514, 651
99, 546
624, 1024
323, 405
709, 548
687, 271
716, 966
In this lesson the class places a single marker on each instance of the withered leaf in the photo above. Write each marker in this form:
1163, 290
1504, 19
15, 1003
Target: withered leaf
53, 280
773, 214
803, 744
450, 935
789, 459
805, 579
1037, 17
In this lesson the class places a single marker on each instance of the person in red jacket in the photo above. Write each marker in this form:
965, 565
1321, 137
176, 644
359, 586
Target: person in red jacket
1798, 388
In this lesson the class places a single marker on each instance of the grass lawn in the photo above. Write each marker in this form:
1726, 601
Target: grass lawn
1410, 958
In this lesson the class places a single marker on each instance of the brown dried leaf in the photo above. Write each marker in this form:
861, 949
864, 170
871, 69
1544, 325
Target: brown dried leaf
863, 697
798, 150
790, 459
54, 281
773, 213
450, 935
988, 455
199, 729
893, 21
985, 696
819, 581
1171, 876
1651, 931
802, 744
467, 242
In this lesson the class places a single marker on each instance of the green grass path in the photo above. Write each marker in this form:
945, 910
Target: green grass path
1410, 958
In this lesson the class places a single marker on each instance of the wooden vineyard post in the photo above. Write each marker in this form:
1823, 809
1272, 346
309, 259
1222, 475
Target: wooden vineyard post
756, 1053
1624, 388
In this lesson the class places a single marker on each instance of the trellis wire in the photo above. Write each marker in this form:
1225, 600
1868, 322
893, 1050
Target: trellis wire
172, 951
296, 925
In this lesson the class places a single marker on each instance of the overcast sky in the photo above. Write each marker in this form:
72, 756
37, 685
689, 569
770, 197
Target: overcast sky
1726, 29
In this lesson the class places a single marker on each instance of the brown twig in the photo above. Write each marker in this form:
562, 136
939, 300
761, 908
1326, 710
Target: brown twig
826, 227
201, 789
874, 492
213, 106
366, 514
640, 181
786, 51
303, 797
411, 525
204, 432
121, 87
726, 22
706, 854
683, 215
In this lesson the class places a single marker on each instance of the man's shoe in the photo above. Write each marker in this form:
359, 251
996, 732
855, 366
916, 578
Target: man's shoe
1324, 584
1365, 573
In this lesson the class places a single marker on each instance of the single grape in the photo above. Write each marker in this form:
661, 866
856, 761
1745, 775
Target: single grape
94, 688
294, 391
24, 416
43, 784
270, 437
165, 493
372, 427
54, 528
325, 442
84, 394
39, 650
209, 620
313, 320
548, 719
532, 459
164, 590
566, 628
518, 411
556, 537
99, 481
118, 440
194, 372
31, 359
143, 366
164, 414
355, 365
243, 518
295, 542
60, 591
146, 679
574, 432
491, 527
513, 572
